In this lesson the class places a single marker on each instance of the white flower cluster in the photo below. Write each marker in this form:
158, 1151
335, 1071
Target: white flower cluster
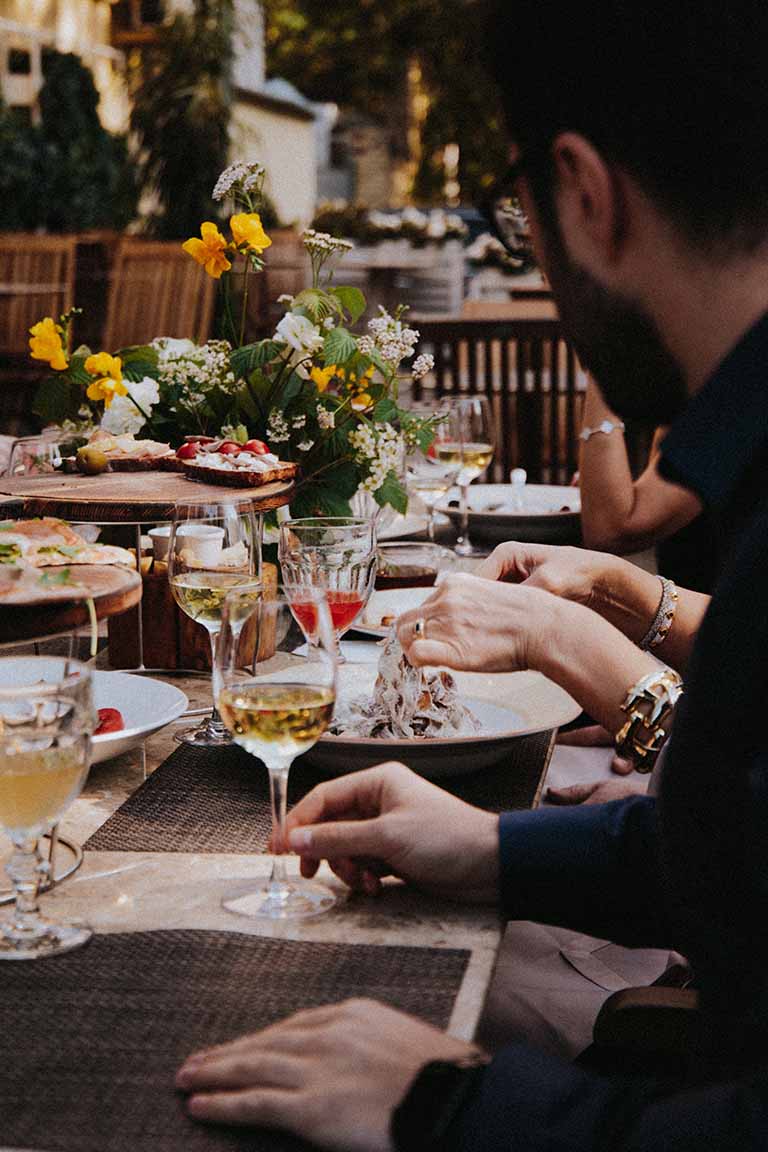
123, 415
325, 418
298, 421
196, 367
422, 366
299, 333
394, 340
305, 445
379, 447
277, 427
247, 178
323, 243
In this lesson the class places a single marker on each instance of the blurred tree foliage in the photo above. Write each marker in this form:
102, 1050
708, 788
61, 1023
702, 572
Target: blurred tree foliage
180, 115
358, 55
66, 173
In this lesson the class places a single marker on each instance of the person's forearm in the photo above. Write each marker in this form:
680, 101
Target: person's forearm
591, 660
628, 597
605, 479
532, 1102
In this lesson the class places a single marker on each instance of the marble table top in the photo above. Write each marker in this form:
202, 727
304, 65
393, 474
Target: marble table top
125, 891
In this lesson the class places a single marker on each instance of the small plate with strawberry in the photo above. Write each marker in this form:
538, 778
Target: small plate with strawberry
226, 462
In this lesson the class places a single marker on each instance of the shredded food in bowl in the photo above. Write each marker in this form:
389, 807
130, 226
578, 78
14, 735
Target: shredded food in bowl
407, 703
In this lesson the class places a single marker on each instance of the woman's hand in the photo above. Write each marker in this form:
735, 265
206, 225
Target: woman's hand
479, 626
571, 573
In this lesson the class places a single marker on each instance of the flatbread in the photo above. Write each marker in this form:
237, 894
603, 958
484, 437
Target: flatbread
48, 543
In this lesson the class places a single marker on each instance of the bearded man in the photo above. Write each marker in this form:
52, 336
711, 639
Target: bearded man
639, 152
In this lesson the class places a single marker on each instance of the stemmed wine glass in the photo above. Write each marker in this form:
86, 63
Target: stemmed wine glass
47, 717
213, 548
470, 444
427, 474
336, 553
276, 694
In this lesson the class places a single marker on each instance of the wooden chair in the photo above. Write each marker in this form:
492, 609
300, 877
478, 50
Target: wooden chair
156, 290
535, 385
37, 279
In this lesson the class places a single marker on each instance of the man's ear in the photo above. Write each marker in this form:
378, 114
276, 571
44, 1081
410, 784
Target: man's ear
590, 202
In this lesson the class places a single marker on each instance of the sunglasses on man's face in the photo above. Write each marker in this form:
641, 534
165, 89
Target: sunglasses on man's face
505, 214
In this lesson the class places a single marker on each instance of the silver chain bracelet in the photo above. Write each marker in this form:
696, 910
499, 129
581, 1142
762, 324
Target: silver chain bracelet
662, 621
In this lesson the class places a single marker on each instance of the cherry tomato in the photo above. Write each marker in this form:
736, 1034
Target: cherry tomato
187, 451
257, 447
110, 720
431, 453
230, 448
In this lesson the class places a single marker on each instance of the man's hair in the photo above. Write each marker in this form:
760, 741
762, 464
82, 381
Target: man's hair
673, 91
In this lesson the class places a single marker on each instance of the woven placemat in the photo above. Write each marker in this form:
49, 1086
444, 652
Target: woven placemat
201, 800
90, 1041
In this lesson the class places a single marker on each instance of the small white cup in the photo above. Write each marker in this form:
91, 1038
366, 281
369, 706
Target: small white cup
161, 538
202, 543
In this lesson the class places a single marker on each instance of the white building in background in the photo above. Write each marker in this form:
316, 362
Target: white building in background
271, 121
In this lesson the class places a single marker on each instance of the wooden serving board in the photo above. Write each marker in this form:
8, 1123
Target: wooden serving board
59, 609
129, 497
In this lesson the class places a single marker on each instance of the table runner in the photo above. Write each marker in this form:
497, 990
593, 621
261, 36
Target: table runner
90, 1041
202, 800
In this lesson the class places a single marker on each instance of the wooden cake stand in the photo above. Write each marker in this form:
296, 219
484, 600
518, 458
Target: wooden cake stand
54, 611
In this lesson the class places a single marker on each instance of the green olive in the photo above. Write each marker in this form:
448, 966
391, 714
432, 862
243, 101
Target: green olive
91, 461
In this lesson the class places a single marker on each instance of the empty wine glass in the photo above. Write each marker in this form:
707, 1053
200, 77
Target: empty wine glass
276, 694
335, 553
46, 721
213, 548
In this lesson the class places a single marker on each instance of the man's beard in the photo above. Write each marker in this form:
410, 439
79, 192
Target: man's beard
617, 341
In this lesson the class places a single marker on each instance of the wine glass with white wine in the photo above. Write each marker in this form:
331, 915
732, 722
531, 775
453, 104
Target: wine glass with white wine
469, 444
213, 548
426, 474
46, 721
275, 683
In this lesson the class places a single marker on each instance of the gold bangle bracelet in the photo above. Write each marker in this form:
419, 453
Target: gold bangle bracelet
650, 706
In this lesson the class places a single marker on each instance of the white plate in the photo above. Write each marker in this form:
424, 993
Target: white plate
389, 603
508, 706
396, 526
551, 513
146, 705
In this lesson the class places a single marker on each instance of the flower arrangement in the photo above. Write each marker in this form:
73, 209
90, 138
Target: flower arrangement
319, 394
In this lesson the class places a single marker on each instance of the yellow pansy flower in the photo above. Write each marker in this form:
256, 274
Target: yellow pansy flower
247, 229
210, 251
362, 401
109, 370
46, 343
322, 377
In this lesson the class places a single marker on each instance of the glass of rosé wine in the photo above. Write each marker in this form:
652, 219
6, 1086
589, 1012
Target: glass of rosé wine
334, 553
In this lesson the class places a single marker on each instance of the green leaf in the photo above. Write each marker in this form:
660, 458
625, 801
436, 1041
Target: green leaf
339, 346
315, 304
351, 299
138, 353
392, 492
244, 360
58, 398
137, 369
291, 390
385, 411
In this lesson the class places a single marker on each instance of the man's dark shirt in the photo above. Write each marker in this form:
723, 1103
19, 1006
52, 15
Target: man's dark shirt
689, 871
